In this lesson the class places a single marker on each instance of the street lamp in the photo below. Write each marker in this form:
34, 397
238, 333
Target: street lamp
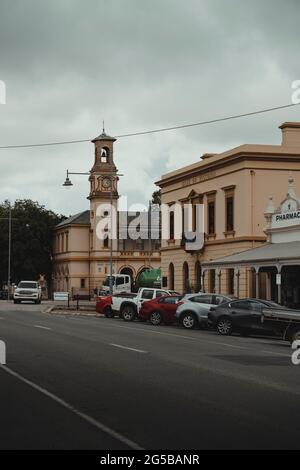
68, 183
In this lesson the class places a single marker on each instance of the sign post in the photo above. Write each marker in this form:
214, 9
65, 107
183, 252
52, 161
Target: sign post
62, 297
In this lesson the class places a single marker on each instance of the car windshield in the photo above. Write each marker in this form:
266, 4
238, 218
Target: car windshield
27, 285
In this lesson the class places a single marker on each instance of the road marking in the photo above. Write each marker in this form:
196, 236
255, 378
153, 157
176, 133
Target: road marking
93, 422
42, 327
200, 339
130, 349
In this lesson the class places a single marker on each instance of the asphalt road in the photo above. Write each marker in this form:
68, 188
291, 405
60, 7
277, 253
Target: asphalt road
96, 383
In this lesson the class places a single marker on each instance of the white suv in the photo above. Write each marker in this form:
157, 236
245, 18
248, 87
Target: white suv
28, 291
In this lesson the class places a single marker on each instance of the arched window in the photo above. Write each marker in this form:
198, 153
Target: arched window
171, 280
186, 282
104, 155
172, 235
198, 276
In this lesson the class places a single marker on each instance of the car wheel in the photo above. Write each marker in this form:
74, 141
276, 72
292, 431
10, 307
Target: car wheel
189, 320
155, 318
224, 327
108, 312
128, 313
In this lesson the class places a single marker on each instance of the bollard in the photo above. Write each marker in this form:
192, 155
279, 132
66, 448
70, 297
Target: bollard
2, 353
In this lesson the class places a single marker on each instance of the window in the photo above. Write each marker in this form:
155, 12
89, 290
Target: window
104, 155
219, 299
244, 305
229, 214
160, 293
82, 283
172, 236
171, 300
201, 299
140, 244
230, 281
171, 277
194, 224
120, 281
212, 280
185, 276
211, 218
106, 242
147, 294
122, 244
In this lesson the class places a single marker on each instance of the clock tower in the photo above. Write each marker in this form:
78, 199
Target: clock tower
103, 190
103, 175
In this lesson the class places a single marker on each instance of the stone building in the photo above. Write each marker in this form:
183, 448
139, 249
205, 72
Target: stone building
81, 259
233, 187
273, 269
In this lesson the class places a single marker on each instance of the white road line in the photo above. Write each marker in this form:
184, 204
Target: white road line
93, 422
42, 327
130, 349
201, 339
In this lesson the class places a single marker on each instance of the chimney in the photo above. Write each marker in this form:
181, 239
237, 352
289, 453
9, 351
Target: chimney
290, 134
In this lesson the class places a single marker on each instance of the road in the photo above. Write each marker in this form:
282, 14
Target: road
96, 383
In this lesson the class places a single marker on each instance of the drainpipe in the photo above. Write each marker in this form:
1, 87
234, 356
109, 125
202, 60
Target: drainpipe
252, 173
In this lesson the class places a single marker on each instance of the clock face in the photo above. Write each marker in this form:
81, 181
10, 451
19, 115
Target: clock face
106, 183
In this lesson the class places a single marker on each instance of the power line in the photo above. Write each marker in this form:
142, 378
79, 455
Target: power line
156, 131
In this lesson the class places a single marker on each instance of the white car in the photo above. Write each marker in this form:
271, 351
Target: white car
195, 307
29, 291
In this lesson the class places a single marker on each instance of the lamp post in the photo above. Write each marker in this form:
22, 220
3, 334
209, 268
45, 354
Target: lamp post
68, 183
9, 218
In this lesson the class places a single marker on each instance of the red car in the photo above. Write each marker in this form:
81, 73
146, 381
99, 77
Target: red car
161, 309
103, 305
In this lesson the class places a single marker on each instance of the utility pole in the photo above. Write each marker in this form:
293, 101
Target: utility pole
9, 218
9, 253
111, 227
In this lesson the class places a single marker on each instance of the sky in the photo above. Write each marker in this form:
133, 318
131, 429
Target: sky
137, 64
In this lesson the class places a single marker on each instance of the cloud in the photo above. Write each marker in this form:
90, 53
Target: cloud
138, 65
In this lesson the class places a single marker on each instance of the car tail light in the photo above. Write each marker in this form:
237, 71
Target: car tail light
179, 303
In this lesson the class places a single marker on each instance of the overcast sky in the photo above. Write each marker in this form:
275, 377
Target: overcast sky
138, 64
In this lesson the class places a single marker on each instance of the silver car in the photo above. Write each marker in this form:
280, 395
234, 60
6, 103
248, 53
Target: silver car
194, 310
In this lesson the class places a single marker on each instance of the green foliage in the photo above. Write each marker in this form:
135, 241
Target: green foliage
32, 235
156, 197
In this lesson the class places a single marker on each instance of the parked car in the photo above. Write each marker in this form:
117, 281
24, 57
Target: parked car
160, 310
28, 291
243, 316
103, 305
195, 307
128, 305
284, 321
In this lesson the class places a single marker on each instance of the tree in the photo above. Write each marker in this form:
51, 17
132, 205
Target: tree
32, 235
156, 197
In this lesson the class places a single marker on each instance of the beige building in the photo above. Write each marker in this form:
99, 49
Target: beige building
82, 260
234, 187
